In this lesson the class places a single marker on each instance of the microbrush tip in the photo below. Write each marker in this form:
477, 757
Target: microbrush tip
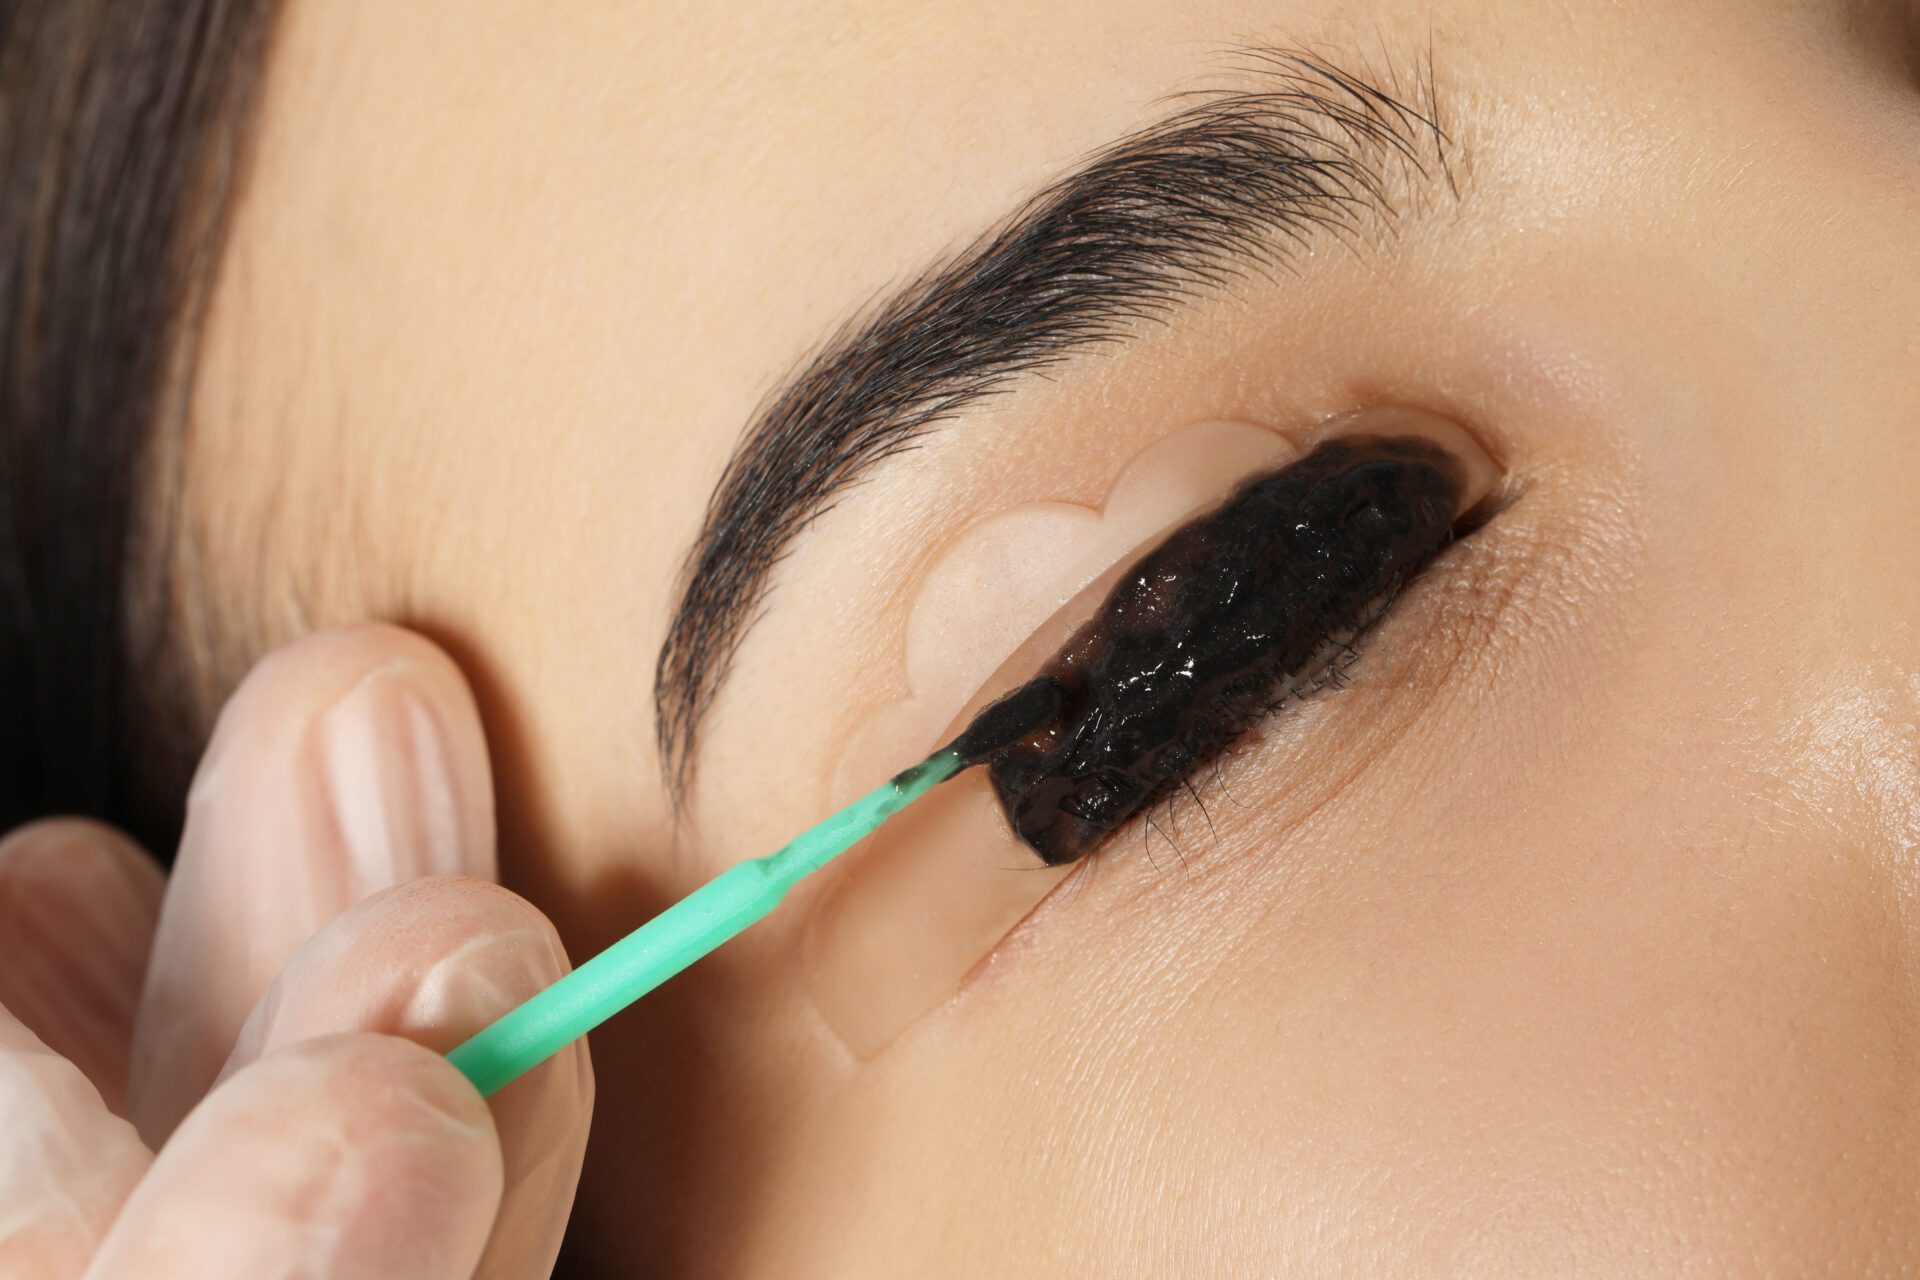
1007, 720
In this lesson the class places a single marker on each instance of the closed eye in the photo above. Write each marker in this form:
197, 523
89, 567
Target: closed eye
937, 890
1194, 641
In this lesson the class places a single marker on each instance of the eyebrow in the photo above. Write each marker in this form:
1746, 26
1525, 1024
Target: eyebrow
1231, 182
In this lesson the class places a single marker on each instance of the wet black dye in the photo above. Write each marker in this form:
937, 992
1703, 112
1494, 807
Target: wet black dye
1199, 637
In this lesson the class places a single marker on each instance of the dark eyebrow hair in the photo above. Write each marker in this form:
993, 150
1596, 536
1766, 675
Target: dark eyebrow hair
1232, 181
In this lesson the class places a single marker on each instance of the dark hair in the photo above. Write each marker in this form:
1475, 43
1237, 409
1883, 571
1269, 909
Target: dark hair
122, 129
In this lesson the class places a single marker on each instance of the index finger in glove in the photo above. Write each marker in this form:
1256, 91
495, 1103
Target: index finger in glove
347, 762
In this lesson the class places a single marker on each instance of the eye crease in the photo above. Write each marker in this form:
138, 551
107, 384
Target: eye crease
1200, 637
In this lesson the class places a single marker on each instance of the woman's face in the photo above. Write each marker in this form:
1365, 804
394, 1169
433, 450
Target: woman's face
1577, 932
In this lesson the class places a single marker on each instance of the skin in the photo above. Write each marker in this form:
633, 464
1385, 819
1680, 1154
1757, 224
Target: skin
1578, 937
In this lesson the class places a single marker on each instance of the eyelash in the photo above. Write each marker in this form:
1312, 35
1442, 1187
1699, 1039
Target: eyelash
1343, 652
1212, 631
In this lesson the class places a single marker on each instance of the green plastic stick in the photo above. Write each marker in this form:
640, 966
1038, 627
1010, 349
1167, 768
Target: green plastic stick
537, 1029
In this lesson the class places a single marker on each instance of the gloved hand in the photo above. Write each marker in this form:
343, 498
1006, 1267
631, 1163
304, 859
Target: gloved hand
268, 1018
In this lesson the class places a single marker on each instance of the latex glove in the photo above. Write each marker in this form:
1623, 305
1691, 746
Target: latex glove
283, 963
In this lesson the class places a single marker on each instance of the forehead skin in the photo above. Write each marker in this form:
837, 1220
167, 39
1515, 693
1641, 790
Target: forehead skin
1605, 965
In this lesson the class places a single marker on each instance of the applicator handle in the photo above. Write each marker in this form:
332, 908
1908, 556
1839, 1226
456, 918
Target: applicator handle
540, 1027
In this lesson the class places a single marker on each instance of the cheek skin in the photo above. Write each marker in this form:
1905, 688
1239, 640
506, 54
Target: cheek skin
926, 900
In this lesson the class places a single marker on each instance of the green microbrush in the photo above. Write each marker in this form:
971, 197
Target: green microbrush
540, 1027
534, 1031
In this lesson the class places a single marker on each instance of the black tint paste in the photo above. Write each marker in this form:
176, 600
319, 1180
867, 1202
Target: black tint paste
1200, 636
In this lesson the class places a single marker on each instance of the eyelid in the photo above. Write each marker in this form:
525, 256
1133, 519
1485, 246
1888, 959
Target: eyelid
929, 897
1200, 638
907, 914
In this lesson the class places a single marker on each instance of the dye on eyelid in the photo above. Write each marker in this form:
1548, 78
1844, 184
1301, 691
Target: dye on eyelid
1201, 635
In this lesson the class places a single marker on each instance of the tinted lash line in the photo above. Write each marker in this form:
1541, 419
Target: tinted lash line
1209, 632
